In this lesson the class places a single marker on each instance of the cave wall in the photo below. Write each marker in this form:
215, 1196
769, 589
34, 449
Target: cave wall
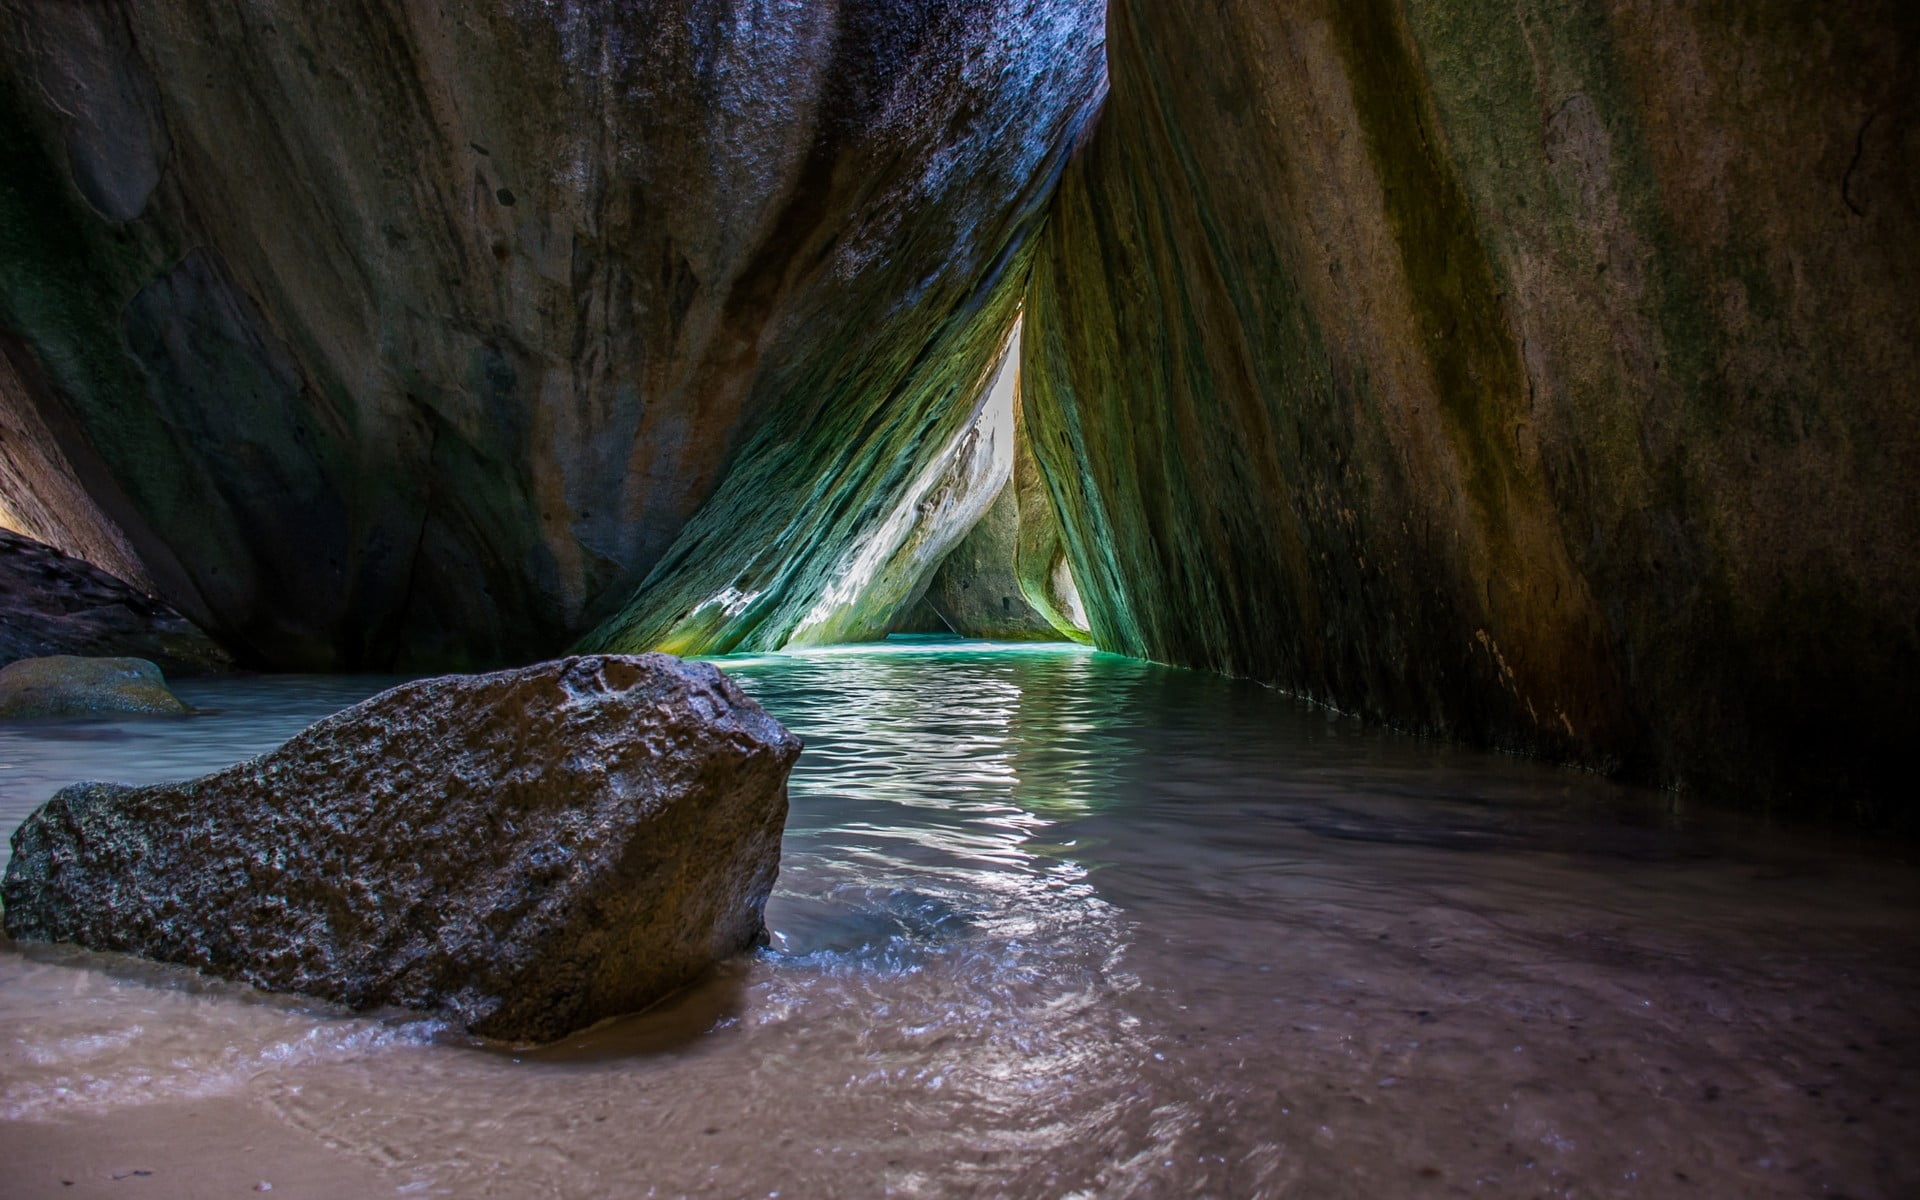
1008, 579
1538, 374
977, 593
416, 334
883, 577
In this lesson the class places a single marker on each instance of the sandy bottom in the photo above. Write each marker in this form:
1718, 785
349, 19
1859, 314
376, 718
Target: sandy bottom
1053, 924
213, 1147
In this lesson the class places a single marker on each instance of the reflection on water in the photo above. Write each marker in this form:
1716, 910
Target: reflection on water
1050, 923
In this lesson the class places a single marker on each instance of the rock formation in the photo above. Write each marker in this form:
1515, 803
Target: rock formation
403, 334
1009, 577
883, 574
1539, 375
1535, 375
977, 590
528, 852
53, 604
63, 685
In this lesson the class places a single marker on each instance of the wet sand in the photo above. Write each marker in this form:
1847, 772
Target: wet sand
205, 1148
1057, 924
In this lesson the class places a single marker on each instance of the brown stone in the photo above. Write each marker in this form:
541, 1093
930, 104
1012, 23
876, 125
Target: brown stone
527, 852
54, 604
1539, 375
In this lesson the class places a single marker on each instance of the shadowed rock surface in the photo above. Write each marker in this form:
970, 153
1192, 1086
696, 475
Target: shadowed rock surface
977, 592
1540, 375
1040, 557
62, 685
528, 852
54, 604
414, 334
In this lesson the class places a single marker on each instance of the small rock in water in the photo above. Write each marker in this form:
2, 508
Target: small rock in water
65, 685
528, 852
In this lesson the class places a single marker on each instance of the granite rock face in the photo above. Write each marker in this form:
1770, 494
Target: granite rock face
1538, 375
63, 685
527, 852
1040, 559
882, 577
407, 334
53, 604
977, 592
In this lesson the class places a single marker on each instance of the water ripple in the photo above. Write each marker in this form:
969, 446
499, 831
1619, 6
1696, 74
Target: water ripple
1051, 922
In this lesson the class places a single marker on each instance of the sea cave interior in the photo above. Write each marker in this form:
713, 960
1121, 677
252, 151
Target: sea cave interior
1033, 598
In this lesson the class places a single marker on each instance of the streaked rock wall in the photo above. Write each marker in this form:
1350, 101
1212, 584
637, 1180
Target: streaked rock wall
1539, 374
404, 333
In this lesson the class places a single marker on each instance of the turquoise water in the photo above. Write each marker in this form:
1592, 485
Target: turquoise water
1052, 922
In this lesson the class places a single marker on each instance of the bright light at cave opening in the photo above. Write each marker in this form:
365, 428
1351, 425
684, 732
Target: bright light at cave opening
940, 507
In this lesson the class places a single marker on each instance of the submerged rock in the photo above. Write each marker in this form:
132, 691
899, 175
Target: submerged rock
64, 685
527, 852
51, 603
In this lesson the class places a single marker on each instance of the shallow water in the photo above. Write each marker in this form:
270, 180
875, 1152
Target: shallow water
1057, 923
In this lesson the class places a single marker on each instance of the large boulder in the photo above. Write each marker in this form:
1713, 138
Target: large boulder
421, 335
51, 603
527, 852
1540, 374
66, 685
1009, 577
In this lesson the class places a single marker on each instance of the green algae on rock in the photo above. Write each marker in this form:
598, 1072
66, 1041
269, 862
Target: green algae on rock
67, 685
881, 575
404, 335
976, 592
1540, 375
1009, 578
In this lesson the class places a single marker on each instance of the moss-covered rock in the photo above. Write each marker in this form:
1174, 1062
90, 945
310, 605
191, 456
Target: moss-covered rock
880, 576
1540, 375
67, 685
1009, 577
399, 335
977, 592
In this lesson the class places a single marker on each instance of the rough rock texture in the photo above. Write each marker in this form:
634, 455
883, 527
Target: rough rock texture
882, 576
977, 592
63, 685
409, 333
1539, 374
528, 851
53, 604
1040, 554
1040, 551
1008, 577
